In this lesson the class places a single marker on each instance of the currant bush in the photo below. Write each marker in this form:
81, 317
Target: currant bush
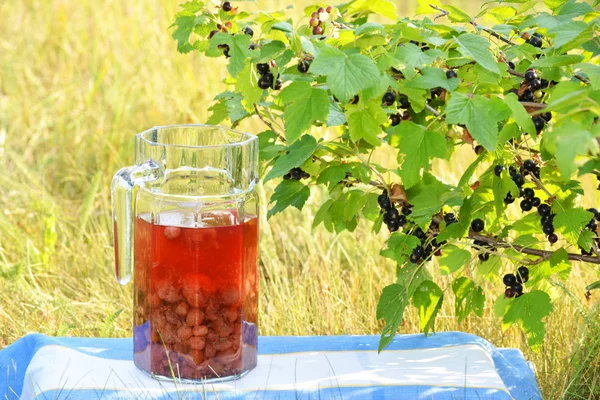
516, 99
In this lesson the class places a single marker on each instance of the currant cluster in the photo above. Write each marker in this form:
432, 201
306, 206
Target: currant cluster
389, 99
296, 174
514, 282
518, 177
267, 79
592, 226
425, 249
486, 249
392, 217
315, 20
547, 221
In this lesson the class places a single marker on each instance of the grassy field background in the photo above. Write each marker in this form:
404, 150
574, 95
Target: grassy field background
77, 80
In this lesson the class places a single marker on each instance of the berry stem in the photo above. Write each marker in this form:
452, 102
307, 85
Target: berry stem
268, 123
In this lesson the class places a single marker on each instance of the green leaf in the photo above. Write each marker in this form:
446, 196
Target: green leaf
428, 300
346, 74
336, 116
391, 306
565, 33
333, 174
453, 259
381, 7
593, 286
557, 61
480, 115
218, 112
572, 139
586, 240
428, 197
238, 50
410, 56
570, 222
400, 246
304, 106
593, 73
519, 114
469, 298
297, 153
457, 14
418, 146
364, 122
468, 174
573, 9
247, 85
501, 186
528, 311
270, 51
433, 78
288, 193
477, 47
323, 213
490, 269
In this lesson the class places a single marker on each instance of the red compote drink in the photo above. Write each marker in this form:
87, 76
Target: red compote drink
195, 294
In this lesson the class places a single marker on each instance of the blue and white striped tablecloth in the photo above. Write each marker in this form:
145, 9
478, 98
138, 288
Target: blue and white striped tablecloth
449, 365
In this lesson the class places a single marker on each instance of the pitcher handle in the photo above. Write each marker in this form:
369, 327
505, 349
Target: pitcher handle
123, 189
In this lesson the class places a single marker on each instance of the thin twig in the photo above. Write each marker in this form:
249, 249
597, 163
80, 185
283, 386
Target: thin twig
432, 110
531, 104
441, 10
515, 73
581, 78
541, 186
494, 34
268, 123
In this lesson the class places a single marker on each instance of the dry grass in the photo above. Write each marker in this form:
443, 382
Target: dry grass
77, 80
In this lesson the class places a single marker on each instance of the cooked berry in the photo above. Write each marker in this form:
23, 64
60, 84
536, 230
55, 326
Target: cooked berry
314, 22
418, 252
413, 259
548, 229
518, 179
406, 210
511, 65
498, 169
535, 85
317, 30
530, 75
226, 6
526, 205
509, 293
536, 201
395, 119
529, 165
547, 116
477, 225
248, 31
539, 123
484, 256
419, 233
544, 210
303, 66
388, 98
262, 68
479, 149
553, 238
451, 74
509, 279
517, 288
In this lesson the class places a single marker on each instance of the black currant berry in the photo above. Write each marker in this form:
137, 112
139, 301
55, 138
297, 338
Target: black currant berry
530, 75
479, 149
384, 201
592, 225
518, 179
225, 48
529, 165
395, 119
539, 123
262, 68
212, 33
451, 74
517, 288
523, 271
248, 31
545, 83
393, 226
477, 225
522, 279
509, 293
535, 85
418, 252
419, 233
278, 84
404, 103
413, 259
526, 205
498, 169
529, 193
509, 199
544, 210
484, 256
265, 81
511, 65
512, 171
226, 6
527, 96
406, 210
392, 213
595, 212
354, 100
553, 238
401, 220
536, 172
296, 174
450, 218
287, 176
535, 41
303, 66
509, 279
547, 116
536, 201
389, 98
547, 220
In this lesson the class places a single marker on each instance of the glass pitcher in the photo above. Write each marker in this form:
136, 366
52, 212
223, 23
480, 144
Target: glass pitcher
186, 224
